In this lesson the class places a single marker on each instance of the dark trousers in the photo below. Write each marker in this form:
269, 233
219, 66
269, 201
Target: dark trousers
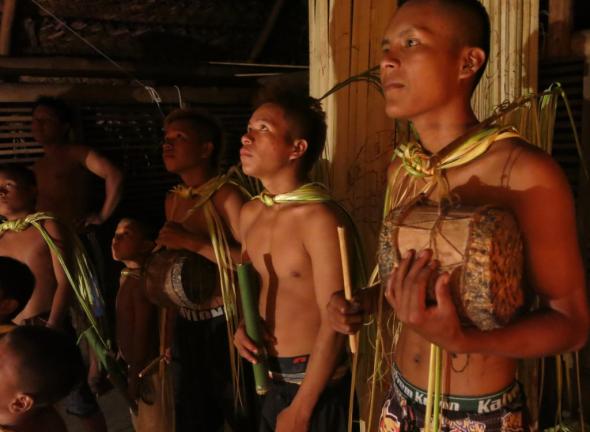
330, 413
203, 382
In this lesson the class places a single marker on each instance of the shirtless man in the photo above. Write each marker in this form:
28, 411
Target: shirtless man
51, 296
434, 52
191, 150
39, 367
294, 249
63, 171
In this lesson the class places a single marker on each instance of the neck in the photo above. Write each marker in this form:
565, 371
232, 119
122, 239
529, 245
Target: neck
18, 215
280, 184
133, 264
438, 129
197, 176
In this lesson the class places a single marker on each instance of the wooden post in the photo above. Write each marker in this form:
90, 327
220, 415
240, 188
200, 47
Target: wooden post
345, 40
513, 62
6, 29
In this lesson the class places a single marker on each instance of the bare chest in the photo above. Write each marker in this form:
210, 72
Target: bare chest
275, 247
27, 247
193, 219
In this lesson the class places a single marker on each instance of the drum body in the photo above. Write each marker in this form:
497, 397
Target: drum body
481, 248
179, 278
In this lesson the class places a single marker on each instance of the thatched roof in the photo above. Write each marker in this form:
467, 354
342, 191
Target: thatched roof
175, 31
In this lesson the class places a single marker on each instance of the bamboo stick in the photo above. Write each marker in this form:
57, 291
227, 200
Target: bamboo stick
352, 339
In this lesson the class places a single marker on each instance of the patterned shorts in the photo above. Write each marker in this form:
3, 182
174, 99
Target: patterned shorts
404, 410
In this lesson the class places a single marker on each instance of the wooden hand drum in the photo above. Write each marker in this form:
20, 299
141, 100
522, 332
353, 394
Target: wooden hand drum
180, 278
481, 248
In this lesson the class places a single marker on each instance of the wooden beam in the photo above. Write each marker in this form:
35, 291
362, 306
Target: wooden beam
6, 29
11, 67
123, 94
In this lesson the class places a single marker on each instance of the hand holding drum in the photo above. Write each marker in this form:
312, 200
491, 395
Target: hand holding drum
480, 247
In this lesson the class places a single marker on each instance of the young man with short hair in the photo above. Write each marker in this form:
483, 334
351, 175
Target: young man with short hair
52, 293
290, 235
204, 208
63, 173
434, 52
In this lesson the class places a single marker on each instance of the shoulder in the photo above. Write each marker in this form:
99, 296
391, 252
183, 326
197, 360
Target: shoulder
527, 166
79, 152
250, 209
318, 216
54, 226
228, 192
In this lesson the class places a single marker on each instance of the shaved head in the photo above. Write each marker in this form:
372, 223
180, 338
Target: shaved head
472, 24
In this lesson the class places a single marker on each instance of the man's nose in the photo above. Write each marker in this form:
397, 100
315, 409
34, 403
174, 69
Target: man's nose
246, 139
389, 60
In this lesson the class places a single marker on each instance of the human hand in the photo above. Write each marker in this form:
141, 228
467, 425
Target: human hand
173, 236
348, 316
246, 346
291, 420
406, 293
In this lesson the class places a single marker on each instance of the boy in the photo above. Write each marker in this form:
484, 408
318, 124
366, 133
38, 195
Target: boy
16, 287
191, 149
38, 367
137, 328
51, 295
434, 53
63, 171
292, 242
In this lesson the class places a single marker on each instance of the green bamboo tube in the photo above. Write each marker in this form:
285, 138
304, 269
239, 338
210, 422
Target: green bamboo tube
249, 296
430, 390
437, 389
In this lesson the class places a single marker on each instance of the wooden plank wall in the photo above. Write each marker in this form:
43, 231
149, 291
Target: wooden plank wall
345, 40
513, 64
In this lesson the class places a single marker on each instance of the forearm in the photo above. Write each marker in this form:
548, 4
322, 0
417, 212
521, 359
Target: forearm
204, 248
113, 192
539, 334
323, 360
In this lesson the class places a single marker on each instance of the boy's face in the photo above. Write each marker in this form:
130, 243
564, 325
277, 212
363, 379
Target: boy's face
421, 60
47, 126
182, 149
265, 146
14, 196
128, 242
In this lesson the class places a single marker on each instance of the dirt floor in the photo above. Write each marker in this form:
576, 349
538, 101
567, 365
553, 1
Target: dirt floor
116, 414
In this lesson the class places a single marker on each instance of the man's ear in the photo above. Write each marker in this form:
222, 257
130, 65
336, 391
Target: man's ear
8, 306
207, 150
299, 149
472, 61
21, 404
